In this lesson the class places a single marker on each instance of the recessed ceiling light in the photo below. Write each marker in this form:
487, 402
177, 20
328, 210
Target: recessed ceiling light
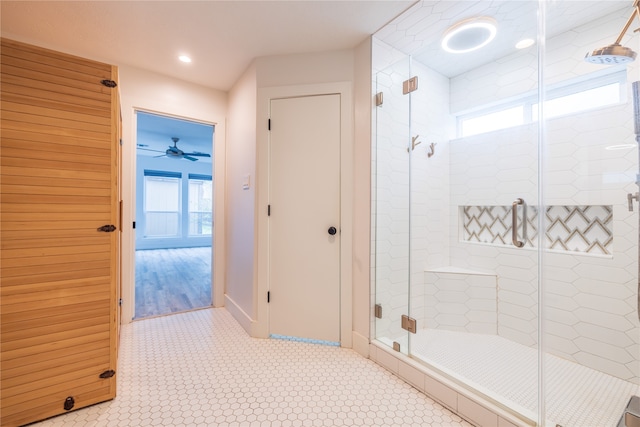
184, 58
469, 35
524, 43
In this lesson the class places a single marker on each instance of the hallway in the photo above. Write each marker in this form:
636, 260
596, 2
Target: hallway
200, 368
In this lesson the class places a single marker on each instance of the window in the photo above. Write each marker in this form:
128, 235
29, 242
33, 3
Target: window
567, 98
162, 203
580, 101
493, 121
200, 205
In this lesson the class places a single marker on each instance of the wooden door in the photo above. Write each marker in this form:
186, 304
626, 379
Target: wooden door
58, 185
304, 225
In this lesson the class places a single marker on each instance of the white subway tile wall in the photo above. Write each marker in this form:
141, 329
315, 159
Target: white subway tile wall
589, 278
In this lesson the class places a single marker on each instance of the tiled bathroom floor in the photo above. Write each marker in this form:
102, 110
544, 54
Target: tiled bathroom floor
201, 369
507, 371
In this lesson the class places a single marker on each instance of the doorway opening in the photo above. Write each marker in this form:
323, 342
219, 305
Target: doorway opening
174, 215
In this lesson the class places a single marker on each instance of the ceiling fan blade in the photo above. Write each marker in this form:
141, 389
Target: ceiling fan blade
196, 154
149, 149
193, 159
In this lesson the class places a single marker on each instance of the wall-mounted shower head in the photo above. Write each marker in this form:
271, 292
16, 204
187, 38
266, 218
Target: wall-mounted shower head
610, 55
616, 53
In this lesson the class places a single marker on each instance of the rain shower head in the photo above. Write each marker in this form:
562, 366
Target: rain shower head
610, 55
616, 53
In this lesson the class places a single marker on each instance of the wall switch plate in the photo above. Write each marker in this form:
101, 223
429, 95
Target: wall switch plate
246, 182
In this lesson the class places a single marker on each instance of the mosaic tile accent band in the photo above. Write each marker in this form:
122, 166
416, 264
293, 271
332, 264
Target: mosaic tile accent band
584, 229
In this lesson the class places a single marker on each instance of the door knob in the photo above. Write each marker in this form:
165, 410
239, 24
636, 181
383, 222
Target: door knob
332, 231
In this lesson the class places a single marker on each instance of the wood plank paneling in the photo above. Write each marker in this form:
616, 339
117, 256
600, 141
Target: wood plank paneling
58, 185
30, 70
50, 95
50, 57
61, 314
64, 364
27, 278
57, 145
30, 171
84, 117
55, 104
90, 394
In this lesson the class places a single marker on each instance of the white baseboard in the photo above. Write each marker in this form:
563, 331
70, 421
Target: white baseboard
360, 344
238, 313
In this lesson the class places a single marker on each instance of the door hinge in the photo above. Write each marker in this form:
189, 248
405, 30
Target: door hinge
120, 302
408, 323
268, 210
107, 374
269, 125
379, 99
268, 296
108, 83
134, 225
378, 311
410, 85
120, 141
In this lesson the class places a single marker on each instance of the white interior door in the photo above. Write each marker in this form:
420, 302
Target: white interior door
304, 193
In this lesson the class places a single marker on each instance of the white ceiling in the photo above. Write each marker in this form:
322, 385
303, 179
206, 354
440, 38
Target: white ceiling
222, 37
420, 32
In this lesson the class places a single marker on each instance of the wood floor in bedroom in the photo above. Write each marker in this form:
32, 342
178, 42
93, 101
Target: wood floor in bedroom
172, 280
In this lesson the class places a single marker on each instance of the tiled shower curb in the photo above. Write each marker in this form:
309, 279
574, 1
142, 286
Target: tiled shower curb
475, 409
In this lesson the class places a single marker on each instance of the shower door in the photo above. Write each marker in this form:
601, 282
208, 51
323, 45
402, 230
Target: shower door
474, 229
391, 197
506, 207
591, 331
467, 197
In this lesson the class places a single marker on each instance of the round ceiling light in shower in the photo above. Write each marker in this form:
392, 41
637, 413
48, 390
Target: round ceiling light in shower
469, 35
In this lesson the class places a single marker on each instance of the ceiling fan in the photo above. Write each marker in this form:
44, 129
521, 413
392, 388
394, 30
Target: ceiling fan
176, 153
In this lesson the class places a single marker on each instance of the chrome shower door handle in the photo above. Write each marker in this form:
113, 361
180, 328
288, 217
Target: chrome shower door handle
514, 223
631, 198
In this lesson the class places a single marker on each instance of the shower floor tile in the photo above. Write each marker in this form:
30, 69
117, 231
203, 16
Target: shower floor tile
200, 368
508, 372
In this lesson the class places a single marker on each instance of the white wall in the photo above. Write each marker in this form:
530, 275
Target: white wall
145, 90
305, 68
302, 75
240, 202
363, 109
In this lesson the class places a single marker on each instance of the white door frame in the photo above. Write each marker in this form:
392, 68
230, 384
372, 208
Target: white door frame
128, 250
260, 325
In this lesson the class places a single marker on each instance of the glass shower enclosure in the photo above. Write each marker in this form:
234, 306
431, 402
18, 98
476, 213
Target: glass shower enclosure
504, 204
